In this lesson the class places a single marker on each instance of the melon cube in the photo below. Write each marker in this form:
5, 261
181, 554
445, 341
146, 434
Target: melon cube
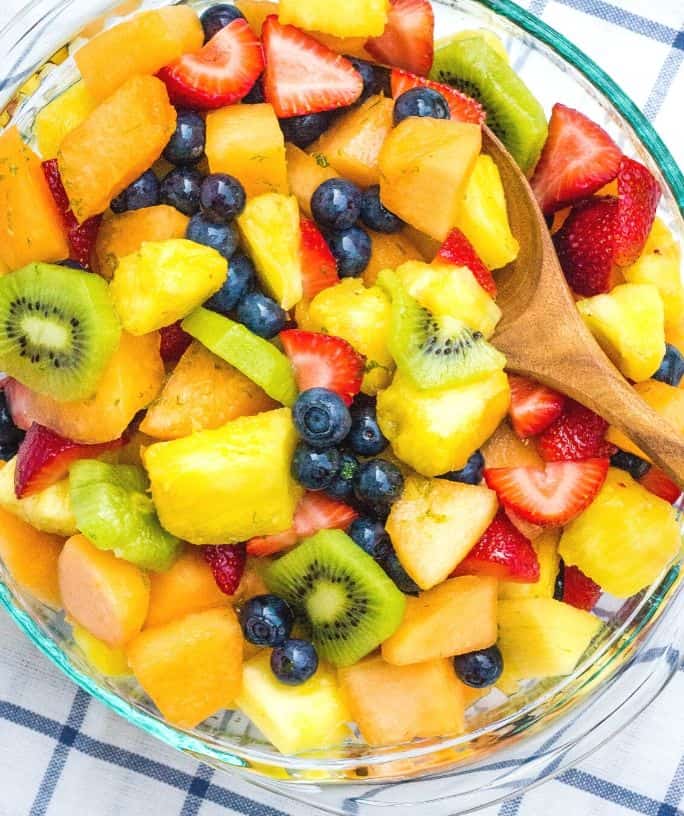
61, 116
388, 252
360, 18
546, 547
305, 173
427, 246
256, 12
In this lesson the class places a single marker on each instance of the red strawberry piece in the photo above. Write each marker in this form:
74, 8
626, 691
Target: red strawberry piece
319, 268
551, 496
44, 457
502, 552
578, 590
463, 108
533, 406
54, 180
577, 434
302, 75
174, 342
221, 73
458, 251
227, 562
578, 158
263, 546
659, 483
638, 197
408, 39
20, 401
324, 361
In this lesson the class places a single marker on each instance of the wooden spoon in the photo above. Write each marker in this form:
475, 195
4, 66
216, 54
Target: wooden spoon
544, 337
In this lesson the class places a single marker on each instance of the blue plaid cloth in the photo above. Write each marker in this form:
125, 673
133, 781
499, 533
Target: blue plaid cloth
62, 753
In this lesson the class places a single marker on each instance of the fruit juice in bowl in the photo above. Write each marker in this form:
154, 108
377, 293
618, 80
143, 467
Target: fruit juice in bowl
269, 490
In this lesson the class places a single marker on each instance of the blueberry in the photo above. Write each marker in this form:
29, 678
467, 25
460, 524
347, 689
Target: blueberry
240, 280
671, 369
304, 130
634, 465
378, 481
479, 669
336, 204
371, 536
393, 568
294, 662
181, 189
352, 251
376, 216
261, 314
266, 620
143, 192
315, 469
342, 486
471, 473
10, 435
365, 437
223, 238
256, 95
186, 146
559, 585
321, 418
222, 197
218, 17
70, 264
421, 102
376, 79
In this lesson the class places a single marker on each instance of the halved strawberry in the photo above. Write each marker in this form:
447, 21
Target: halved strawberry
324, 361
262, 546
533, 406
551, 496
458, 251
638, 197
221, 73
502, 552
44, 457
174, 342
577, 434
304, 76
578, 590
319, 267
578, 158
463, 108
409, 36
659, 483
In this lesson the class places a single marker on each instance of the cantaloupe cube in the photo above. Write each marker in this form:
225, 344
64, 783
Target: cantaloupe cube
360, 18
388, 252
426, 245
257, 160
305, 174
191, 667
104, 594
256, 12
546, 547
48, 511
456, 617
59, 117
108, 661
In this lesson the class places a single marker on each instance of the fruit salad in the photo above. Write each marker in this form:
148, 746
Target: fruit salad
257, 440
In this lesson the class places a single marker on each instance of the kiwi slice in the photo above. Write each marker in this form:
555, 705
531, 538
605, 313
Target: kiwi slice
58, 329
347, 600
476, 68
435, 351
255, 357
113, 511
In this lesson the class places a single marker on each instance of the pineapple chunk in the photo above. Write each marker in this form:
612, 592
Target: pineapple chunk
436, 430
629, 325
227, 485
546, 547
294, 718
436, 523
305, 174
360, 18
110, 661
256, 12
388, 252
269, 227
624, 539
61, 116
48, 511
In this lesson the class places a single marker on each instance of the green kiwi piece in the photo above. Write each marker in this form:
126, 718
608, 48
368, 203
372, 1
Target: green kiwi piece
113, 511
347, 600
58, 329
435, 351
474, 67
255, 357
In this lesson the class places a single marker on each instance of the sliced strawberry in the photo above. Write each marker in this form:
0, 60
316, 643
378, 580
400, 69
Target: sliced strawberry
221, 73
458, 251
44, 457
54, 181
302, 75
324, 361
578, 590
174, 342
638, 197
577, 434
551, 496
463, 108
262, 546
533, 406
578, 158
319, 268
408, 39
227, 562
502, 552
659, 483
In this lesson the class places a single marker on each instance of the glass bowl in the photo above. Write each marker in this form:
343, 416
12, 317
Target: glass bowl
512, 742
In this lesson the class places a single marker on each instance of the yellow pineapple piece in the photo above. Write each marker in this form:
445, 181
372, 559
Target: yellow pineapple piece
305, 173
48, 511
388, 252
108, 660
347, 46
360, 18
61, 116
674, 334
546, 547
256, 12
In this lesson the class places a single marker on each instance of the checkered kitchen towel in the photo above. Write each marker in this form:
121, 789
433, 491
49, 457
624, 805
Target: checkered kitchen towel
62, 753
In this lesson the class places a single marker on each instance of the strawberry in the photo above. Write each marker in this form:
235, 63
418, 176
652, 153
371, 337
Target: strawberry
324, 361
408, 39
174, 342
502, 552
319, 268
44, 457
533, 406
551, 496
578, 158
227, 562
262, 546
221, 73
458, 251
659, 483
463, 108
54, 181
578, 590
577, 434
638, 197
302, 75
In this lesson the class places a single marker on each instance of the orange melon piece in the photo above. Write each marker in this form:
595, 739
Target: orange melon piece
305, 173
124, 234
348, 46
427, 246
104, 594
256, 12
31, 227
120, 139
505, 449
388, 252
31, 558
139, 46
192, 667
